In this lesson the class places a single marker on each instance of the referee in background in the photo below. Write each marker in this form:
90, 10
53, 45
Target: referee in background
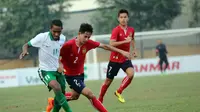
161, 51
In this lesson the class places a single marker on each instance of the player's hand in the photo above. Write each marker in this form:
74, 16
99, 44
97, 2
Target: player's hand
127, 55
60, 69
134, 54
24, 53
129, 38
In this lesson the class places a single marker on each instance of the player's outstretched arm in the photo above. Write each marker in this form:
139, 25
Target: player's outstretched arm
111, 48
115, 43
24, 50
37, 41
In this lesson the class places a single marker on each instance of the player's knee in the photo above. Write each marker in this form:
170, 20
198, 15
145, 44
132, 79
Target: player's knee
108, 82
90, 95
75, 97
55, 86
130, 73
131, 76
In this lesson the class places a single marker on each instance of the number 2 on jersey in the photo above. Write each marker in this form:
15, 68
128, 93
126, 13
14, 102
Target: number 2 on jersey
76, 59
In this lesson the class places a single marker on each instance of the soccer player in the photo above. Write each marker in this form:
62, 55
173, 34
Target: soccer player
49, 44
122, 36
161, 51
73, 55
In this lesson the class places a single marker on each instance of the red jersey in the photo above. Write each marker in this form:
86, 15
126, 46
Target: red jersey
119, 34
73, 57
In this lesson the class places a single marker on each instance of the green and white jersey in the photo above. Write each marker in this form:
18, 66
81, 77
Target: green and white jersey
49, 50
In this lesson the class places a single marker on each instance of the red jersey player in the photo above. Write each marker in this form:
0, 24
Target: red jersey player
122, 36
73, 55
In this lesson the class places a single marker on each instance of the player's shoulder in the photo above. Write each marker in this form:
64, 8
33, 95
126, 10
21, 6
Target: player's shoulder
70, 42
117, 28
90, 41
62, 39
131, 28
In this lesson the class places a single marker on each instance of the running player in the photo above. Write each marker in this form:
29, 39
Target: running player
161, 51
122, 36
73, 55
49, 44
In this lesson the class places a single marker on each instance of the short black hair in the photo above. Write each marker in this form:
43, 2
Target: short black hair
57, 22
122, 11
85, 27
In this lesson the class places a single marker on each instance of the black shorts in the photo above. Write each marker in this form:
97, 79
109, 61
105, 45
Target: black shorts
163, 59
76, 82
113, 68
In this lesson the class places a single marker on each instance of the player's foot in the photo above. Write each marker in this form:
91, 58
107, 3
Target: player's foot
120, 97
100, 99
165, 73
50, 104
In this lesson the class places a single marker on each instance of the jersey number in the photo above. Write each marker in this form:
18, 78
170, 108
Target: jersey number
110, 68
76, 59
76, 82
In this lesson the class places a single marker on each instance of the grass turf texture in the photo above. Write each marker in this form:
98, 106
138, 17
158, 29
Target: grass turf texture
164, 93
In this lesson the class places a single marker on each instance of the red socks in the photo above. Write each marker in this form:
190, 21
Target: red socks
125, 82
103, 90
68, 96
98, 105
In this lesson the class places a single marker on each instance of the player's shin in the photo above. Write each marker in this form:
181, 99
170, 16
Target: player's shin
125, 82
98, 105
103, 90
60, 97
56, 107
166, 66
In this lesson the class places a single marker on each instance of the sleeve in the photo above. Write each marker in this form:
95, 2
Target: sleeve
37, 41
114, 34
93, 44
157, 49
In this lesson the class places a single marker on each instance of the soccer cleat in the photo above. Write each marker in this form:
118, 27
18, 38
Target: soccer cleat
120, 97
50, 104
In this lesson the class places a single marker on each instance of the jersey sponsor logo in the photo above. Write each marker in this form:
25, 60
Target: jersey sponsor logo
84, 50
46, 45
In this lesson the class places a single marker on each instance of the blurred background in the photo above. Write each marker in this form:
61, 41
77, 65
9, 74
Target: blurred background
21, 20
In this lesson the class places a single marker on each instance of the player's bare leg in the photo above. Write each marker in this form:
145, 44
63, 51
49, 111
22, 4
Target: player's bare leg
96, 103
104, 88
125, 83
166, 65
59, 97
74, 95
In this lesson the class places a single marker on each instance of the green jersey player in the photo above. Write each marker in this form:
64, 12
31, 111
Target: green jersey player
50, 71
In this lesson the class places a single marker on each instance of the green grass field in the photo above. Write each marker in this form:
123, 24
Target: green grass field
168, 93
